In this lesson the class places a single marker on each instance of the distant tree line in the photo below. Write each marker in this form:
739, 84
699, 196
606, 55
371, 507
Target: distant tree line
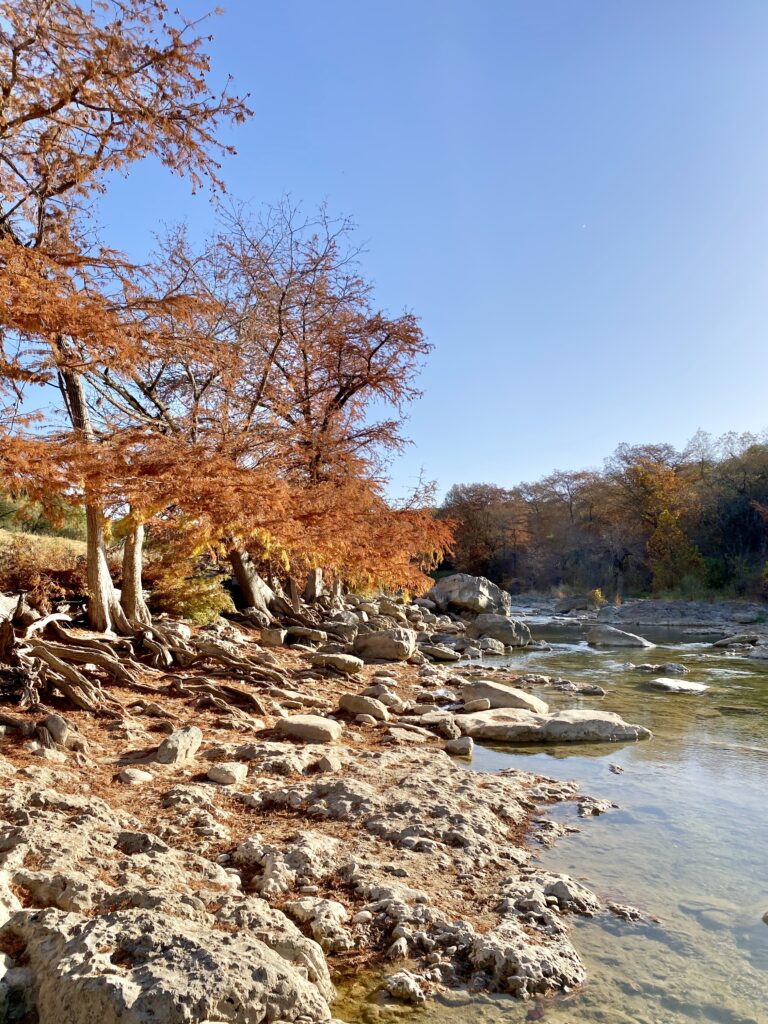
653, 520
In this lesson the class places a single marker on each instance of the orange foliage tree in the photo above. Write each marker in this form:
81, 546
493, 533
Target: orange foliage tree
85, 91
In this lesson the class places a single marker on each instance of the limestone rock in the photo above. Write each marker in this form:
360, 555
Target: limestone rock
608, 636
502, 696
273, 637
326, 919
513, 725
508, 631
357, 704
311, 728
180, 746
439, 652
675, 685
469, 593
134, 776
228, 773
138, 967
481, 704
487, 645
397, 644
346, 663
462, 747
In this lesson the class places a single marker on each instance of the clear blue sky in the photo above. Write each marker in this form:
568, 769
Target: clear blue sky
572, 194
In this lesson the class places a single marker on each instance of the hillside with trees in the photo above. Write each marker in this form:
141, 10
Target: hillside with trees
655, 520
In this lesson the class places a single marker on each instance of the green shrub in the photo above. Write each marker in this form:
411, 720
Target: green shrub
198, 597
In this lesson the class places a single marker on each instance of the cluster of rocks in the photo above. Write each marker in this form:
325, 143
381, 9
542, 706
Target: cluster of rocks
461, 617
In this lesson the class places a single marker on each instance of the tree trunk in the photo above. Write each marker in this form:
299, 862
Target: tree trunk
104, 611
132, 596
293, 593
255, 591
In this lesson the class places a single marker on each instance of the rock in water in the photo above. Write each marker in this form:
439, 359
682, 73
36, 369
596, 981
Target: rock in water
502, 696
608, 636
508, 631
513, 725
675, 685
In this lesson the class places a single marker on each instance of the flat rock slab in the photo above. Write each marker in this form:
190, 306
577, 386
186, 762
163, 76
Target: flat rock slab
516, 725
609, 636
675, 685
310, 728
502, 696
439, 652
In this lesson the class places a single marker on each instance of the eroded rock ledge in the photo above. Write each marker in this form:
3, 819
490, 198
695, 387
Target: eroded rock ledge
233, 904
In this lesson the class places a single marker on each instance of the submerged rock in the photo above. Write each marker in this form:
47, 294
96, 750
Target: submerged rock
512, 725
675, 685
667, 668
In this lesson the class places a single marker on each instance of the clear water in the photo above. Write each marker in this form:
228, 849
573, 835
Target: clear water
688, 846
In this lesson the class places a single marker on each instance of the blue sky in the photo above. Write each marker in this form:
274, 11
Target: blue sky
572, 195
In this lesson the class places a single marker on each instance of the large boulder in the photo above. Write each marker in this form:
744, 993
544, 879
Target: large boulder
397, 644
508, 631
608, 636
513, 725
465, 593
499, 695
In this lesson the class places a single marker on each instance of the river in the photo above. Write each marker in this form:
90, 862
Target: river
687, 845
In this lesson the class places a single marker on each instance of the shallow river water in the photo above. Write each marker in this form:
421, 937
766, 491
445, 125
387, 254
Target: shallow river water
688, 845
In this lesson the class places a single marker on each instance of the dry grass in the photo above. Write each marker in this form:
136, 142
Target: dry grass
45, 568
56, 549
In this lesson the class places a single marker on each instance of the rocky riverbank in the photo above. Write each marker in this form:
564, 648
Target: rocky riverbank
186, 861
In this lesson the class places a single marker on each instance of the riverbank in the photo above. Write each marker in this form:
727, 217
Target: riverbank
685, 845
141, 889
297, 807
